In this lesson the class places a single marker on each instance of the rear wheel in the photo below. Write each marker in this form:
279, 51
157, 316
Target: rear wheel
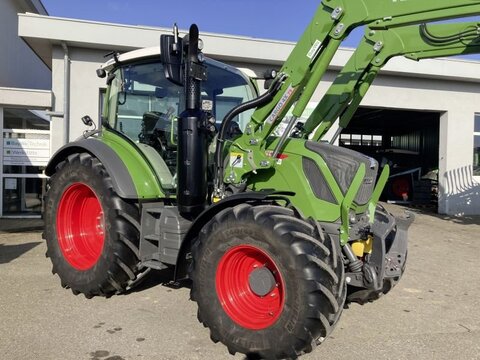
92, 234
267, 283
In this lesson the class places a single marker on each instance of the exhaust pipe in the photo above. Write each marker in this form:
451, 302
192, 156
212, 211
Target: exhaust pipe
192, 135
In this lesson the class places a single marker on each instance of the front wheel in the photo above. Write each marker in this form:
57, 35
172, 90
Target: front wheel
267, 283
92, 234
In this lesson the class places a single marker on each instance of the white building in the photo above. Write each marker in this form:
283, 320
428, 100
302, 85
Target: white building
25, 88
428, 108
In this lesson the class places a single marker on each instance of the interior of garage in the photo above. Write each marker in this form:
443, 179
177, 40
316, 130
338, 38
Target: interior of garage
408, 141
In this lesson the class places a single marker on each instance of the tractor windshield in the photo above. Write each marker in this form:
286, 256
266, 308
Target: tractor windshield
143, 105
142, 100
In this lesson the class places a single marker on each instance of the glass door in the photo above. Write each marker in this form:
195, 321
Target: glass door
25, 153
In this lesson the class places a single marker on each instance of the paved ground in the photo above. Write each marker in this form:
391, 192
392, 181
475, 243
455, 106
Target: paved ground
434, 313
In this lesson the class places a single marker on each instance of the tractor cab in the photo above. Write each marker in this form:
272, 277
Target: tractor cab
142, 105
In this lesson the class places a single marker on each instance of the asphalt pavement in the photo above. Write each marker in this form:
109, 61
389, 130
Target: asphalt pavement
434, 312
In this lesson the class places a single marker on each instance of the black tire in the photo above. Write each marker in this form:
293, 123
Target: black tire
310, 269
118, 254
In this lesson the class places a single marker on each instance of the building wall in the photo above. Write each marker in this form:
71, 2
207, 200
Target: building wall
19, 65
84, 90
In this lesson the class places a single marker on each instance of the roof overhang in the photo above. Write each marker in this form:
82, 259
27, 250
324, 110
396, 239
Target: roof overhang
33, 99
43, 32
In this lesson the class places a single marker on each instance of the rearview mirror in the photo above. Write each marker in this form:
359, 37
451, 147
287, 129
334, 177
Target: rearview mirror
171, 56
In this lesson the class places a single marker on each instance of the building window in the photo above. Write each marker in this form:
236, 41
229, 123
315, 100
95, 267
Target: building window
360, 140
476, 146
24, 153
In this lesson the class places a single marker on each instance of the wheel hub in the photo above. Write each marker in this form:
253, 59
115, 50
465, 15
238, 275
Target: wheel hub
261, 281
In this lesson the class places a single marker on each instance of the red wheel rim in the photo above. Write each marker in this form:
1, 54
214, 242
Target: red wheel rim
238, 300
80, 226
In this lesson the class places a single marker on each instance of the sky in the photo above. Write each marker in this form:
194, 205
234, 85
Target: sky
269, 19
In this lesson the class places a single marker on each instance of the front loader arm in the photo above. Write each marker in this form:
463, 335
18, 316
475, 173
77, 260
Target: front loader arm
376, 48
309, 60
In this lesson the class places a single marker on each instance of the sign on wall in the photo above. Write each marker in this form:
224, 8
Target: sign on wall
33, 149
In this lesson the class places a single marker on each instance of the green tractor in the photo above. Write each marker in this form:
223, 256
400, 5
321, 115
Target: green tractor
275, 233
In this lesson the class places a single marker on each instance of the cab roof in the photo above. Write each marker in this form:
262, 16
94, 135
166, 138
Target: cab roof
154, 51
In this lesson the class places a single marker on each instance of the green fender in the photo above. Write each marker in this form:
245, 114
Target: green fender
132, 175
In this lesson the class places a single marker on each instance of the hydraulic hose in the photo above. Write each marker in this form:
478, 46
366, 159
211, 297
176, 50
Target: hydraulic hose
435, 39
259, 101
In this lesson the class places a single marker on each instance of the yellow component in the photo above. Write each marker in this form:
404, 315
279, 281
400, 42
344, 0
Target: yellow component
216, 199
361, 247
358, 247
368, 245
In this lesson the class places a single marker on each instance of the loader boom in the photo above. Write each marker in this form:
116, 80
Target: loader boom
309, 60
350, 86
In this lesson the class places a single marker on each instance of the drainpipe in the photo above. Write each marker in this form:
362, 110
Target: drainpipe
66, 93
65, 114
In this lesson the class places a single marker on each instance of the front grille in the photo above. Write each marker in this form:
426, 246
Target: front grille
317, 181
344, 163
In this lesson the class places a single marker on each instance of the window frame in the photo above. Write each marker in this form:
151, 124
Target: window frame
365, 140
475, 134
